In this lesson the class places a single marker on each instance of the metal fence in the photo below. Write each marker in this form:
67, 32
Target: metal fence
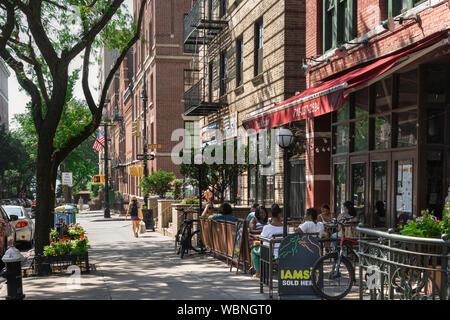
396, 267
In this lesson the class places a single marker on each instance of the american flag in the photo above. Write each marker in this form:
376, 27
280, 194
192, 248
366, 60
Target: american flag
98, 144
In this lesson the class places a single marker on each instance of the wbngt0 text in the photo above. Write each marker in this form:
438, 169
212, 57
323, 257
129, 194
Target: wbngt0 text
252, 309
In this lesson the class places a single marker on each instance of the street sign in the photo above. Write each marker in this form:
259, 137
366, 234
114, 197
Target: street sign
155, 146
99, 178
150, 156
66, 178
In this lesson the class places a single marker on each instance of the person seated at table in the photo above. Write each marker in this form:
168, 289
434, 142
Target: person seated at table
225, 213
209, 210
325, 215
259, 221
311, 225
269, 230
251, 215
349, 211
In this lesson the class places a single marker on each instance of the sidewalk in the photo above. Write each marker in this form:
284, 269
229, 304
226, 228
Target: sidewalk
142, 268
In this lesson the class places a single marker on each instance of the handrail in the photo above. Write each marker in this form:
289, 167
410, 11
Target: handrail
391, 236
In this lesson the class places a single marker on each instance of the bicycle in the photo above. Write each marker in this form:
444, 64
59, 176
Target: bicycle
333, 274
185, 239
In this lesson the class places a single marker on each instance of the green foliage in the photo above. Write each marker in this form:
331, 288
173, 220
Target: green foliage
190, 200
158, 183
426, 226
177, 184
95, 188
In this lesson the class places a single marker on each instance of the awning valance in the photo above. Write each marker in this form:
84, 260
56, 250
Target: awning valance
330, 95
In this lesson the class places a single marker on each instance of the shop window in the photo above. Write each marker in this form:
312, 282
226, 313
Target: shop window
340, 180
361, 103
407, 89
382, 134
270, 189
359, 186
406, 129
343, 113
383, 95
404, 190
339, 22
297, 188
379, 193
341, 139
435, 170
435, 125
361, 136
435, 84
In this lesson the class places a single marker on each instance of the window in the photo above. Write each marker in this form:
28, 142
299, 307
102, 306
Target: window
379, 193
223, 73
210, 80
396, 7
189, 47
190, 78
406, 123
404, 190
339, 22
258, 51
239, 61
193, 128
358, 185
340, 180
223, 8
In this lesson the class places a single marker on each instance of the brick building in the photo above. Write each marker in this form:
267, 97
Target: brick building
158, 62
247, 57
4, 75
376, 111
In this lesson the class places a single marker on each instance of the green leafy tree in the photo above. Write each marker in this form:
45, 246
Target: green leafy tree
158, 183
177, 184
38, 40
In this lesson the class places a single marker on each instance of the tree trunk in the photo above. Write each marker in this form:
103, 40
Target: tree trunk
46, 172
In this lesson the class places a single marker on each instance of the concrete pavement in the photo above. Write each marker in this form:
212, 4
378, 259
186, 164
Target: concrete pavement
142, 268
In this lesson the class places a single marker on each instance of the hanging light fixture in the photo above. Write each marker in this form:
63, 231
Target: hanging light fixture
341, 50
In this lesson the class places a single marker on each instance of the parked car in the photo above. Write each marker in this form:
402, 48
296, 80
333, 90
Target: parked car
7, 233
24, 226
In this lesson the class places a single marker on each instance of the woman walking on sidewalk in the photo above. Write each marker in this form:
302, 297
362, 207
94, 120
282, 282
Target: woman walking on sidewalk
133, 212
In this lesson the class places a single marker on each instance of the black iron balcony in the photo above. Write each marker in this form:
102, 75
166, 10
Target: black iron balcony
201, 17
195, 102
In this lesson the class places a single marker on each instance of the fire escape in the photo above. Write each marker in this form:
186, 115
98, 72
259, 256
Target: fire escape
205, 21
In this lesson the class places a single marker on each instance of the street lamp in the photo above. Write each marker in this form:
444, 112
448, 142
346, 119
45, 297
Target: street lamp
144, 100
285, 138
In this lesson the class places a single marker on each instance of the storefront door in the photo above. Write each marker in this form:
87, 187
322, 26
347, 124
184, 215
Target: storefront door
297, 198
358, 181
378, 205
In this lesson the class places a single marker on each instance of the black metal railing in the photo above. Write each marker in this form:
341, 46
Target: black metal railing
192, 20
193, 97
202, 17
402, 267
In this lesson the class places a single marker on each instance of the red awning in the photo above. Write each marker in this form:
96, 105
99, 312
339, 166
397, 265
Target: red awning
330, 95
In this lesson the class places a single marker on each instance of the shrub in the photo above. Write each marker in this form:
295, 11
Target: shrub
427, 226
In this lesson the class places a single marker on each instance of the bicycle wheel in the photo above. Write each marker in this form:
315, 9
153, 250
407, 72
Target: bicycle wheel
329, 281
185, 238
196, 242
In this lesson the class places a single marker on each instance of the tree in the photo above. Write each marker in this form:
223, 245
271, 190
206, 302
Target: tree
39, 39
157, 183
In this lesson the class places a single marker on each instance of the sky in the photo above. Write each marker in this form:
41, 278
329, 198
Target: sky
18, 99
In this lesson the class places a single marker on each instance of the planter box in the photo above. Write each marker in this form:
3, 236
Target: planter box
55, 264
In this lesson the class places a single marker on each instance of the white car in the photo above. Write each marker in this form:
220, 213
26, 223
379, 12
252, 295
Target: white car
24, 225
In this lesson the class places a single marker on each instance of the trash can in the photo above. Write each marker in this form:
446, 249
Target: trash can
66, 214
148, 219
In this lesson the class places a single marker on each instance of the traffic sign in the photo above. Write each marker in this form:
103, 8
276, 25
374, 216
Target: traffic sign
99, 178
155, 146
145, 156
66, 178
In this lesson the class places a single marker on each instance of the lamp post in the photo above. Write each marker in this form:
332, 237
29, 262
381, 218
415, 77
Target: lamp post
144, 100
285, 139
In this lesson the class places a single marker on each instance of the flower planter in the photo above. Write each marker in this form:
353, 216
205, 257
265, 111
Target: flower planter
60, 263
